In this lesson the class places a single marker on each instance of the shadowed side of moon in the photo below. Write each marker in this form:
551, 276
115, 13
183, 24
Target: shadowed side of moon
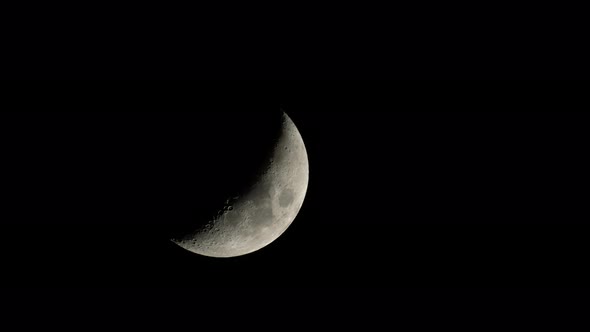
262, 205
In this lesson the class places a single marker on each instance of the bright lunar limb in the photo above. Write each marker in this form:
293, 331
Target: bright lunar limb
261, 213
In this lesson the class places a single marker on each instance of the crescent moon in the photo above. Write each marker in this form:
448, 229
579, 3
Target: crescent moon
263, 211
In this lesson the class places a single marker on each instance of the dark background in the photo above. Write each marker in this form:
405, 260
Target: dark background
430, 204
405, 41
412, 185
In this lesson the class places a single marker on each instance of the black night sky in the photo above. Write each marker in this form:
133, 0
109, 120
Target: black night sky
430, 204
411, 184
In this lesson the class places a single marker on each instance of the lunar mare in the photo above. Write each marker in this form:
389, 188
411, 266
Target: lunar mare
260, 214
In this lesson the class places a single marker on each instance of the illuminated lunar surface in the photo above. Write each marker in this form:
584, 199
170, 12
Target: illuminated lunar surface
258, 215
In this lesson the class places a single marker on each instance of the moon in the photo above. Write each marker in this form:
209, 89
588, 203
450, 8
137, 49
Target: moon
263, 210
